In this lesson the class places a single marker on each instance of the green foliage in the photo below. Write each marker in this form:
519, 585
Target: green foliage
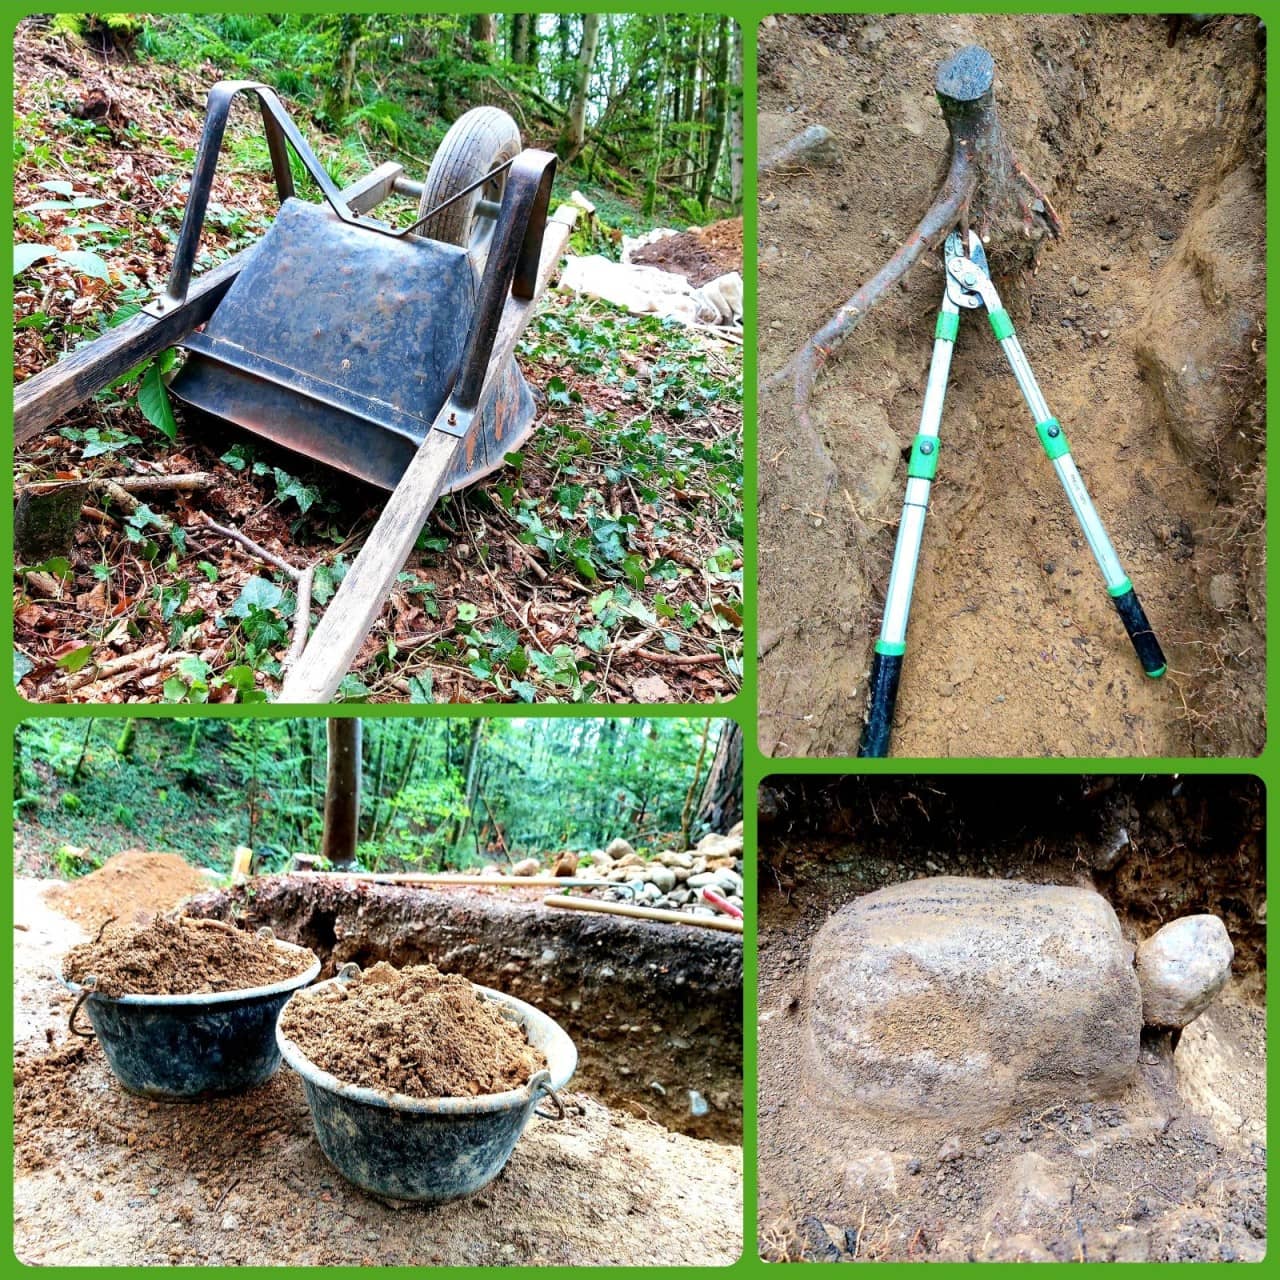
436, 792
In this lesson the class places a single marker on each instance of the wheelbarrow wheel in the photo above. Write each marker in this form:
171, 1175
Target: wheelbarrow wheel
476, 143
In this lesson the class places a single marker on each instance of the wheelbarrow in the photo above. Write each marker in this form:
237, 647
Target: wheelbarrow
386, 353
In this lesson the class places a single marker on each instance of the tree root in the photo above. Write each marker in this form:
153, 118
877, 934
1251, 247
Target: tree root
984, 180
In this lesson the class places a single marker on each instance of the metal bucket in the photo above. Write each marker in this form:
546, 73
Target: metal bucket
180, 1048
431, 1149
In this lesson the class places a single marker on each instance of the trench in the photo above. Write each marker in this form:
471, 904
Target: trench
654, 1010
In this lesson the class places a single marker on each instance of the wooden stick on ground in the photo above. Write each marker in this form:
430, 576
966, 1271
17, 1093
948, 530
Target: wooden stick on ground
722, 923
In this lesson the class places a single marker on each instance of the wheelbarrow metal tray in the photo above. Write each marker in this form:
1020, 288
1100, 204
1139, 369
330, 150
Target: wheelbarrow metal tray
343, 344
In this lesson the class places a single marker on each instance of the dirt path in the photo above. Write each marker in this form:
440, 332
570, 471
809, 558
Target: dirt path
242, 1181
1014, 647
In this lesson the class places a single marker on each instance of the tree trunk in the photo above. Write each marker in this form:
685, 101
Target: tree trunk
342, 792
659, 97
521, 39
719, 113
735, 120
721, 804
575, 125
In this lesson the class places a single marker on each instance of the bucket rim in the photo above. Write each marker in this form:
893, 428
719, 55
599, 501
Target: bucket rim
286, 986
560, 1051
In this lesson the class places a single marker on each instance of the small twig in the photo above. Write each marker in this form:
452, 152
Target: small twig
103, 929
301, 616
185, 480
258, 550
681, 659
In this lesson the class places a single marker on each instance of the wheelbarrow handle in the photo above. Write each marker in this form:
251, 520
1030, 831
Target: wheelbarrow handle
281, 133
512, 264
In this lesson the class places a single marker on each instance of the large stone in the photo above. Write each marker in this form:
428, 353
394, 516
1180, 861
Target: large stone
1181, 968
956, 997
618, 849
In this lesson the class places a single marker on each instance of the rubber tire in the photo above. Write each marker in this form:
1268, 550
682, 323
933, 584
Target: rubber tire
476, 142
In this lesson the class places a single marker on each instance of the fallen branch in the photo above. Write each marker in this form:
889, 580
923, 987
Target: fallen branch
983, 178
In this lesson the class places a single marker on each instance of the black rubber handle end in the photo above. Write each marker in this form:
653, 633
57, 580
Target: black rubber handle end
1144, 639
886, 671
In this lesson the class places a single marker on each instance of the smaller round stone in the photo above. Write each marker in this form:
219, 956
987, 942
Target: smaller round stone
1181, 968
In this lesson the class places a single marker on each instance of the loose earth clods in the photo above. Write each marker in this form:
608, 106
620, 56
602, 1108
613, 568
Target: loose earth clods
414, 1031
179, 957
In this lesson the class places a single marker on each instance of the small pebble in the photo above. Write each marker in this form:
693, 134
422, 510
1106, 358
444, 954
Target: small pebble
991, 1138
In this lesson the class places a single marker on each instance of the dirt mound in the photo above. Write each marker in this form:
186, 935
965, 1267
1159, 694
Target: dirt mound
131, 887
701, 253
1014, 648
181, 957
414, 1031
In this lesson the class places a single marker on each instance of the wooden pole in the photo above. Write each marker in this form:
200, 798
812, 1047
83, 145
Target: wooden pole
722, 923
342, 792
426, 880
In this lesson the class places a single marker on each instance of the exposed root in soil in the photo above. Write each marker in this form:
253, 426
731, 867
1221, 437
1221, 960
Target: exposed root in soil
984, 182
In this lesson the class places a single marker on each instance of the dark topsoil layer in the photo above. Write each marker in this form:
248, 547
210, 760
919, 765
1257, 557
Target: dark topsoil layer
654, 1010
1157, 847
413, 1031
181, 957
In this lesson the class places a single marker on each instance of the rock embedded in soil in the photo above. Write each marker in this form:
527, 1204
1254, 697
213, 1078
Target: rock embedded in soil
414, 1031
968, 998
1181, 969
181, 957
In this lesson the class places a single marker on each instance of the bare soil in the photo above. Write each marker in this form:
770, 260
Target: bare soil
181, 957
241, 1181
701, 253
1146, 316
655, 1010
414, 1031
1172, 1169
130, 886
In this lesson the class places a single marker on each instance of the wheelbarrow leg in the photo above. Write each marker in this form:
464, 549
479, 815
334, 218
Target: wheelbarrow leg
886, 664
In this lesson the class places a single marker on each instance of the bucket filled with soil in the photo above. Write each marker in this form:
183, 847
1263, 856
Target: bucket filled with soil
420, 1083
186, 1008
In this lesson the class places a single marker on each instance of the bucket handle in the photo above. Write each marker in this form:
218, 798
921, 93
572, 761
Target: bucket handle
87, 989
542, 1089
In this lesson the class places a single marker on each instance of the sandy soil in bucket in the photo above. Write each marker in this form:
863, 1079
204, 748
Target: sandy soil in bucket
241, 1180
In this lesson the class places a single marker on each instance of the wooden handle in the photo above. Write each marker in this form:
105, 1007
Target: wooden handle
723, 923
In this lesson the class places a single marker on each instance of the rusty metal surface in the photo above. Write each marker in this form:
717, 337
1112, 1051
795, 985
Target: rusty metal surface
343, 344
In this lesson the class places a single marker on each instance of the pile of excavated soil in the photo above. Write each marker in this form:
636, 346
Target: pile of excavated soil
701, 253
181, 957
1145, 325
414, 1031
132, 885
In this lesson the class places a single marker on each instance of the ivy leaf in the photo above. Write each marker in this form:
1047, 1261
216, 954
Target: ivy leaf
153, 400
22, 665
76, 659
85, 263
257, 593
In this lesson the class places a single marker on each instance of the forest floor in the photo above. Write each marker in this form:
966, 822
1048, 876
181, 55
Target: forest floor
1172, 1170
604, 564
242, 1181
1145, 325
